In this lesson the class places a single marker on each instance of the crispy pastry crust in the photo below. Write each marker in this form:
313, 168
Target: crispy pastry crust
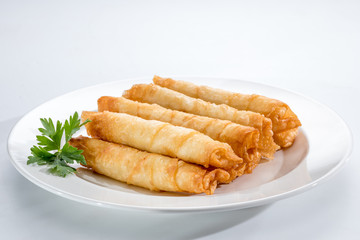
168, 98
243, 139
159, 137
284, 121
149, 170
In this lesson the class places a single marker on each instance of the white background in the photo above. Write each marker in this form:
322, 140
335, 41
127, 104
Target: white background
48, 48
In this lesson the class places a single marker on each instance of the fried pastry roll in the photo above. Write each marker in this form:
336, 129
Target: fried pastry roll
168, 98
243, 139
159, 137
148, 170
284, 121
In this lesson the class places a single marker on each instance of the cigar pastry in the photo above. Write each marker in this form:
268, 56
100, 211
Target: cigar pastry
162, 138
243, 139
285, 123
148, 170
151, 93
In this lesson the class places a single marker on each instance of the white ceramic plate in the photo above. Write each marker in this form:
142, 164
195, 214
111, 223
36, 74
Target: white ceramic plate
320, 150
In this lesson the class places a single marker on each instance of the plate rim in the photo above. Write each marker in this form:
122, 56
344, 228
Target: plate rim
224, 207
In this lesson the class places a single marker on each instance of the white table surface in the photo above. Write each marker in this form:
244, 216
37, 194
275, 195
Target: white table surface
48, 48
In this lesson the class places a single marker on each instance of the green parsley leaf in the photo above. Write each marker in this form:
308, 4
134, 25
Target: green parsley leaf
60, 169
70, 153
51, 136
50, 151
72, 126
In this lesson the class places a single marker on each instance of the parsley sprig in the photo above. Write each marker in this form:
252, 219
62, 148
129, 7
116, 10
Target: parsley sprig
50, 150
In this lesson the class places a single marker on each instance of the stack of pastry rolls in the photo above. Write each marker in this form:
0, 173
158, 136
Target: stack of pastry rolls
168, 136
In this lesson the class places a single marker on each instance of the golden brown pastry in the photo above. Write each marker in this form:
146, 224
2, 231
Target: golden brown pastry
168, 98
285, 123
242, 139
149, 170
159, 137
